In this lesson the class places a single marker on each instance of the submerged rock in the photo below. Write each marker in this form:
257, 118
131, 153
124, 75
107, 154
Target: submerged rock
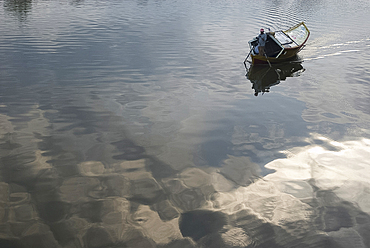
199, 223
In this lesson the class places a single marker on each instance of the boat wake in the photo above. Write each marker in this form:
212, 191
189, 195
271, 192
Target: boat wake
312, 52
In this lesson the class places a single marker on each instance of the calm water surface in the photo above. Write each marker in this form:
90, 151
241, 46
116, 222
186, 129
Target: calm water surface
135, 124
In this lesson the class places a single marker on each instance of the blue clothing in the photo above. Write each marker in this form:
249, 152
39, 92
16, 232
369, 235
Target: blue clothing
256, 49
262, 39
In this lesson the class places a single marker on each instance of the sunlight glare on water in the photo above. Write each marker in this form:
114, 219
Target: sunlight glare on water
136, 124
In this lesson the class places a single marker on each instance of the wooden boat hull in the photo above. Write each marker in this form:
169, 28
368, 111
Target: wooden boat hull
288, 54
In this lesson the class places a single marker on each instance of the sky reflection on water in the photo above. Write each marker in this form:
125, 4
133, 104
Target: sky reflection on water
133, 124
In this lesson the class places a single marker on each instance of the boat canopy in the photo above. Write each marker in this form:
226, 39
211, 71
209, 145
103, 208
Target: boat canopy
273, 47
285, 40
299, 33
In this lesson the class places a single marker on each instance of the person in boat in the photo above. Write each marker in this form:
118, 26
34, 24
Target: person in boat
262, 37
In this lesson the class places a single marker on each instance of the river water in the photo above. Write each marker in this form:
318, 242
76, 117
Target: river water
135, 124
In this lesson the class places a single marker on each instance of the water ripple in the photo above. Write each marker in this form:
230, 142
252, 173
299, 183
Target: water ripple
131, 123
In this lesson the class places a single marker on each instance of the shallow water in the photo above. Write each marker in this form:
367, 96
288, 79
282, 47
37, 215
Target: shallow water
135, 124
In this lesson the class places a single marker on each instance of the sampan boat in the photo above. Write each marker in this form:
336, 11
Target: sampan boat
280, 45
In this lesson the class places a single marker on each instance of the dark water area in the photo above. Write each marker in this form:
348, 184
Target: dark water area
135, 124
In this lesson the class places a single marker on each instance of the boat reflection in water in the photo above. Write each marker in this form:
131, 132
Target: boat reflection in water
264, 77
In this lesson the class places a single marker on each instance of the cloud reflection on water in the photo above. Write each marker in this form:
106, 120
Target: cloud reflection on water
317, 197
74, 174
314, 192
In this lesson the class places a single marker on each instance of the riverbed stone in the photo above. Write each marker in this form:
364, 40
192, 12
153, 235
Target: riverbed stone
97, 237
240, 170
78, 189
199, 223
134, 238
23, 213
64, 232
165, 210
133, 170
117, 185
154, 227
180, 243
39, 236
4, 192
195, 178
146, 191
188, 199
91, 168
236, 237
